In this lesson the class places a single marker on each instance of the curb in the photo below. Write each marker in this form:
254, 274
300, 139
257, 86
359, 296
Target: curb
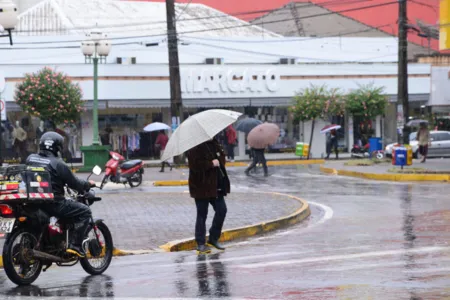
170, 183
242, 232
388, 177
116, 252
242, 164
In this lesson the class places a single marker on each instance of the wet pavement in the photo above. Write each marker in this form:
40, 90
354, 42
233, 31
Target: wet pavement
364, 240
441, 165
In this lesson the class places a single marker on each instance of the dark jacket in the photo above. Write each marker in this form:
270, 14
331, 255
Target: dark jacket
203, 176
59, 172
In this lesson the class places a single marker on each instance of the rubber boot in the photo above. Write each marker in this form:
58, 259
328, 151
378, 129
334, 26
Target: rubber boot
76, 245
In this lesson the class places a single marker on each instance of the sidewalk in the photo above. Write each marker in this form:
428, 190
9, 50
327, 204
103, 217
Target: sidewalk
434, 169
145, 221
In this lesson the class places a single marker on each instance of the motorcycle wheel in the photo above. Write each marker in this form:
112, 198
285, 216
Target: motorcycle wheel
104, 180
98, 253
135, 180
15, 256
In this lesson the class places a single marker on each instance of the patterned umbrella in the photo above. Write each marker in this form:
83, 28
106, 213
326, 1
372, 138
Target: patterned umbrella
329, 128
246, 125
198, 129
263, 135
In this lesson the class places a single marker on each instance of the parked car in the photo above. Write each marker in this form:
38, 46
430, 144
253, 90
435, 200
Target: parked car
440, 144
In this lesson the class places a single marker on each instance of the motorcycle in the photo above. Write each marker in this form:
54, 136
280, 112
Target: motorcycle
120, 171
360, 152
36, 240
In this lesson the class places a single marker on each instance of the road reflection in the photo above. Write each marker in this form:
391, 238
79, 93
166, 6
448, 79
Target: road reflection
219, 288
91, 286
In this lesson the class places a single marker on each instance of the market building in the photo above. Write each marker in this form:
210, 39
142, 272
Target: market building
250, 70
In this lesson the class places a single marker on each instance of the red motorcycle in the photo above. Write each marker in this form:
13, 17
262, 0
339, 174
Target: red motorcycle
118, 170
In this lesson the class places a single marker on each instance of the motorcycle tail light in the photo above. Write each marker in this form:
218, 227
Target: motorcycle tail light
5, 210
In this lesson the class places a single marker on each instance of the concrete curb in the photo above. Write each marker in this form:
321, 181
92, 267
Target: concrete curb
243, 164
116, 252
242, 232
170, 183
388, 177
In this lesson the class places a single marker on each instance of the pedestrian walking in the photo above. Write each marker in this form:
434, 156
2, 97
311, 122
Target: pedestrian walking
208, 184
160, 143
258, 157
423, 136
332, 143
231, 138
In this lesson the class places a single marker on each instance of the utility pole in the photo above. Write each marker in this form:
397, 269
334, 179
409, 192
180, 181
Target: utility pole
402, 96
176, 104
174, 64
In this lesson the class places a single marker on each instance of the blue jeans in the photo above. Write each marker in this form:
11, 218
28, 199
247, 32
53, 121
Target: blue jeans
215, 231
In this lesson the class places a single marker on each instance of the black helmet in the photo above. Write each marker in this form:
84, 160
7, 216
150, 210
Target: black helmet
52, 142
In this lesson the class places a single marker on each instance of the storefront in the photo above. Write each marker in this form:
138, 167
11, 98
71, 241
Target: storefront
131, 96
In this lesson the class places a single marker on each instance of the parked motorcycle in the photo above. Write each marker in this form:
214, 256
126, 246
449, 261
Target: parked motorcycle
360, 152
36, 240
118, 170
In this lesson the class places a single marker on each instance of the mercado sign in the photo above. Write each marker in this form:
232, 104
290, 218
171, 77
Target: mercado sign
230, 80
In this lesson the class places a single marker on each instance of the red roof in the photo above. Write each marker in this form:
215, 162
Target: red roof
425, 10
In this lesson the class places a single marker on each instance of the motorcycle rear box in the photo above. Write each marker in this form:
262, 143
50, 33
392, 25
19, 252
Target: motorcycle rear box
23, 182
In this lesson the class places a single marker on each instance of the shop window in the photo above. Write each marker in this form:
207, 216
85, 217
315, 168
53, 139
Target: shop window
20, 135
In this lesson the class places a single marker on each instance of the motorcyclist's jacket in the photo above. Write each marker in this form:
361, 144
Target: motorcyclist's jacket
59, 172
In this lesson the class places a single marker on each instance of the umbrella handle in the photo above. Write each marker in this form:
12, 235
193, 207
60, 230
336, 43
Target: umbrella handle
220, 165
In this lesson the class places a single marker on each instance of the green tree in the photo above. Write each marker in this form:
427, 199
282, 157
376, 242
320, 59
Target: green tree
367, 102
50, 95
317, 102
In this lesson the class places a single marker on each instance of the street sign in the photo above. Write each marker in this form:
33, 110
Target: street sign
3, 109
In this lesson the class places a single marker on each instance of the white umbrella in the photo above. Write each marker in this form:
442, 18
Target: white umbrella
198, 129
156, 126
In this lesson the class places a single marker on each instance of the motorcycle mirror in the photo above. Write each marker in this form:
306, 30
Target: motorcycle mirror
97, 170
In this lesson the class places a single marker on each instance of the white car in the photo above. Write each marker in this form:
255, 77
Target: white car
440, 144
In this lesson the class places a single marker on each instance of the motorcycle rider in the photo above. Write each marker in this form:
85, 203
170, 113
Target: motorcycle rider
50, 145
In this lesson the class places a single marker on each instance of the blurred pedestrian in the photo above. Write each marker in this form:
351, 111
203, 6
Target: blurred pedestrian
258, 157
332, 143
423, 136
231, 138
208, 184
161, 143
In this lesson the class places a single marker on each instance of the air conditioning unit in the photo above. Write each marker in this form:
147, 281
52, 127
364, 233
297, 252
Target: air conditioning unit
214, 61
126, 60
287, 61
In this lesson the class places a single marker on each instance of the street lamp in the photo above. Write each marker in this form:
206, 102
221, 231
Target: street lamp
95, 49
8, 18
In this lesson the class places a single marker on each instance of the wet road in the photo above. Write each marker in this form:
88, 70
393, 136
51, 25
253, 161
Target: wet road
364, 240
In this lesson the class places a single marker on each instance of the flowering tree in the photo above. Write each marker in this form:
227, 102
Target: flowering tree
50, 95
317, 102
367, 102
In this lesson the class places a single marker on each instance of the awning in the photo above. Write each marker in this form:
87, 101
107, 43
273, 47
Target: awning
148, 103
411, 98
14, 107
216, 102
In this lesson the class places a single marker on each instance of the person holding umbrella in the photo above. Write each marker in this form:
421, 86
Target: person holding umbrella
332, 139
160, 143
258, 139
208, 184
208, 179
423, 136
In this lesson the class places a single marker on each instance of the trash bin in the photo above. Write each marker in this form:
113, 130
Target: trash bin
299, 149
305, 149
399, 156
375, 145
409, 155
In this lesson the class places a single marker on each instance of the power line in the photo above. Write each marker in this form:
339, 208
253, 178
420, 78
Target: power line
330, 3
184, 9
220, 28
